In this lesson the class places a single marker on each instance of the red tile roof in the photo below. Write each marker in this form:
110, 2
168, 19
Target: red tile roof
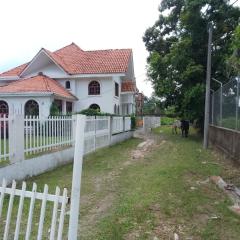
128, 86
37, 84
76, 61
14, 72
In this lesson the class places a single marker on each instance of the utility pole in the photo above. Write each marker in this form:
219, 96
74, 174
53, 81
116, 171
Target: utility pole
207, 96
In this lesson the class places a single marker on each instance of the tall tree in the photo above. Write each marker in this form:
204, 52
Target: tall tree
177, 45
233, 62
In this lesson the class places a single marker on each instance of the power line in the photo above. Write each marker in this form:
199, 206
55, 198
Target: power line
233, 3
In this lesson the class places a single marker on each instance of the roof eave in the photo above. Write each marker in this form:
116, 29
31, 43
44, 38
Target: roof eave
26, 94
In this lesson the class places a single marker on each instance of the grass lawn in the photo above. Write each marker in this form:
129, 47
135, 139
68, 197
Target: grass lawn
154, 196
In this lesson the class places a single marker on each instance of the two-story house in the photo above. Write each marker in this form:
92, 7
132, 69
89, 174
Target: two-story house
73, 79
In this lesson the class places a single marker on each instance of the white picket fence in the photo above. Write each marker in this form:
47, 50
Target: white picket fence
24, 137
42, 135
117, 125
127, 123
97, 133
4, 143
17, 227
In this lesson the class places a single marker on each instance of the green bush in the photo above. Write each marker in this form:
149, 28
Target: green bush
54, 111
133, 122
93, 112
167, 120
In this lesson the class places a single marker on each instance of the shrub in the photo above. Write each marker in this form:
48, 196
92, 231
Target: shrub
133, 122
167, 120
93, 112
54, 111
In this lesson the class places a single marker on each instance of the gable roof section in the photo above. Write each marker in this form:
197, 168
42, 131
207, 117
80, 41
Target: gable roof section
74, 60
49, 55
15, 71
37, 84
128, 86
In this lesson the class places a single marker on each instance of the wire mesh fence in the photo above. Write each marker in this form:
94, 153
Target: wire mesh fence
225, 106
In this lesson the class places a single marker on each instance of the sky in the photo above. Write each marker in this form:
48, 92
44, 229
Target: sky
29, 25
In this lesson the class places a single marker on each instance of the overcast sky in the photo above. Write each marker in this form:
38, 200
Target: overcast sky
28, 25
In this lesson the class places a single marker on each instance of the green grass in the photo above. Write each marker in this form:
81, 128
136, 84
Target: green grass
158, 195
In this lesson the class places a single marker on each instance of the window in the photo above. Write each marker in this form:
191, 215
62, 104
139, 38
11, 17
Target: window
31, 108
67, 85
115, 109
94, 88
118, 110
95, 107
116, 89
3, 108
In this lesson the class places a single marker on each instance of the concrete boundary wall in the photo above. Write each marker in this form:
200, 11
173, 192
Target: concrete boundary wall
121, 137
49, 161
225, 140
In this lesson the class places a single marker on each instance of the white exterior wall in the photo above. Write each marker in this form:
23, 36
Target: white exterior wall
51, 70
116, 100
106, 99
16, 104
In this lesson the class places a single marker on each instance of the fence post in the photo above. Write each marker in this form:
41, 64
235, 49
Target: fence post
76, 178
144, 124
95, 133
16, 138
237, 102
74, 126
212, 107
221, 105
109, 129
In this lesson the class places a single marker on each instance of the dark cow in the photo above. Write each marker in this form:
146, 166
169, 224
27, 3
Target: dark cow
185, 128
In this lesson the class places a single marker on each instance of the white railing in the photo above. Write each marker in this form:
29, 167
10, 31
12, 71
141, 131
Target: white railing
4, 142
25, 137
127, 123
22, 200
117, 125
97, 133
42, 135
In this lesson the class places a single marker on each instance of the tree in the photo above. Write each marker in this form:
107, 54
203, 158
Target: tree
177, 45
152, 106
233, 62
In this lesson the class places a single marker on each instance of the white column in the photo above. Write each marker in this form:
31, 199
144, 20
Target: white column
16, 138
64, 107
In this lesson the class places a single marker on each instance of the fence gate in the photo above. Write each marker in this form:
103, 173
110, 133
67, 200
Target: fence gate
22, 212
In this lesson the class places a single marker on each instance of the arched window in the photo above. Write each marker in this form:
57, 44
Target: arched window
31, 108
3, 108
115, 109
67, 85
95, 106
94, 88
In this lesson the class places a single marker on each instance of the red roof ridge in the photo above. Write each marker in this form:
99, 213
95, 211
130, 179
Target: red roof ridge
45, 78
57, 83
110, 49
71, 44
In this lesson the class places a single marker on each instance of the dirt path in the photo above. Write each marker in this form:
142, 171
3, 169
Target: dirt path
98, 207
